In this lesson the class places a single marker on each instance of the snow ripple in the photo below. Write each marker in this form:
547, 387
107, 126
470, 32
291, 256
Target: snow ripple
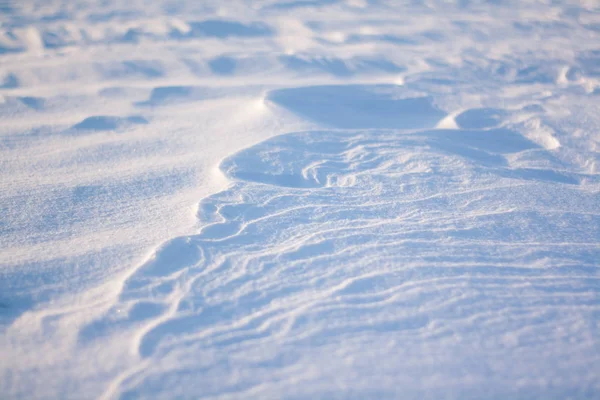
373, 264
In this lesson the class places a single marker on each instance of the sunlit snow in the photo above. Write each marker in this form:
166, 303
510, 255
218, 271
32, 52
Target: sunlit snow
311, 199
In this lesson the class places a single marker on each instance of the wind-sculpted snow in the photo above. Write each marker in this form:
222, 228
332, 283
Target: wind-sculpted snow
355, 106
108, 123
299, 199
373, 264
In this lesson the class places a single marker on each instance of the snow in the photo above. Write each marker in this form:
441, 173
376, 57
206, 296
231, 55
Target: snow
299, 199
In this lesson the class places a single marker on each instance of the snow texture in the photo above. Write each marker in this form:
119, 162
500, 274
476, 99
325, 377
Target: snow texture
346, 199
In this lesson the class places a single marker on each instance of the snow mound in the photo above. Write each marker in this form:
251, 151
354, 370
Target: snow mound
362, 250
108, 123
358, 106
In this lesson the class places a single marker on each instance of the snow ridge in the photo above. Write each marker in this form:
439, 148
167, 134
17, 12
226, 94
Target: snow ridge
372, 256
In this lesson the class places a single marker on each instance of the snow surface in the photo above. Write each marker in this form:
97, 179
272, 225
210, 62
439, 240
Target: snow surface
311, 199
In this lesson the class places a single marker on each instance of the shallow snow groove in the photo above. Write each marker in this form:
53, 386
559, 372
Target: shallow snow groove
353, 263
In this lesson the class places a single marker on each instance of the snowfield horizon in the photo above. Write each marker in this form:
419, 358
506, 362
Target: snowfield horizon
308, 199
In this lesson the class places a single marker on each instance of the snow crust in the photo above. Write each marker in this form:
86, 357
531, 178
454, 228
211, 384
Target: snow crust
299, 199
